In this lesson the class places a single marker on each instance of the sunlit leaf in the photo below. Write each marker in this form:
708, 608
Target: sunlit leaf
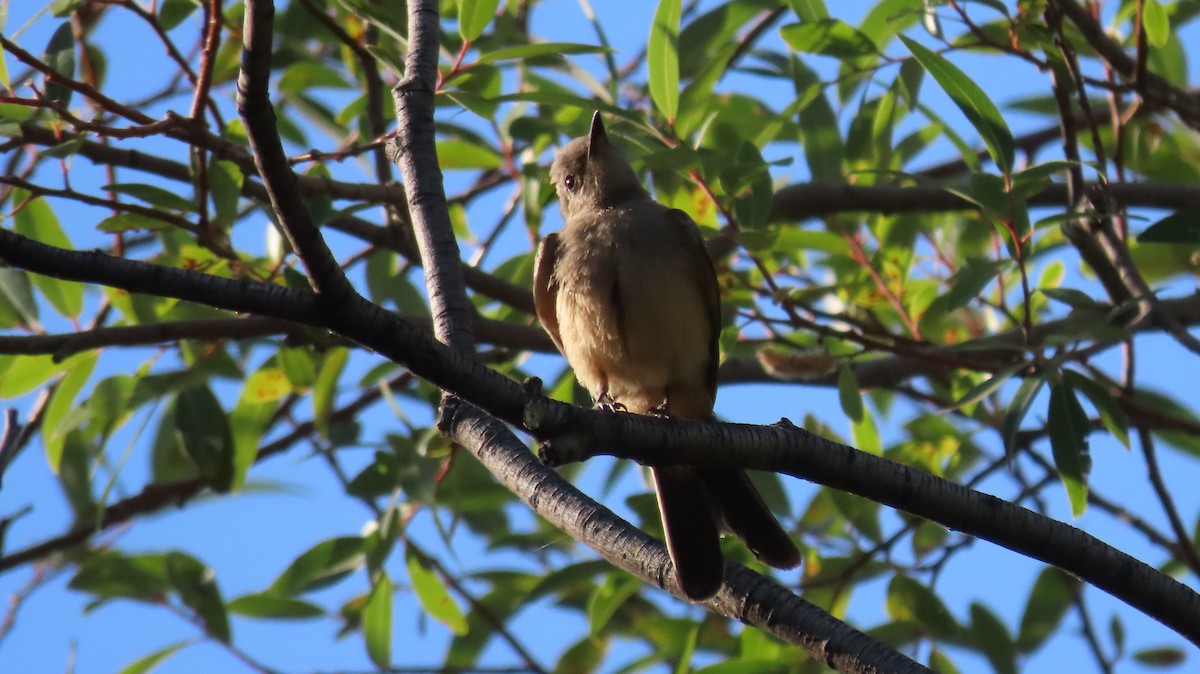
662, 58
432, 592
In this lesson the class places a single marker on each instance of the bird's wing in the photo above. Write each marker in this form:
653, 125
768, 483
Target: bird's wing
545, 287
706, 280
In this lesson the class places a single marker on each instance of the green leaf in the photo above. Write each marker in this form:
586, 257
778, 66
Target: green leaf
850, 395
60, 56
1017, 410
1163, 656
1156, 23
148, 663
461, 154
526, 51
17, 305
325, 390
432, 592
206, 435
297, 364
662, 58
225, 185
1110, 410
111, 575
26, 373
377, 622
321, 565
970, 280
266, 605
155, 196
970, 98
830, 37
1072, 297
583, 656
37, 221
171, 13
1051, 597
1067, 424
197, 589
131, 222
909, 600
62, 415
473, 17
989, 385
1179, 227
607, 598
991, 636
809, 10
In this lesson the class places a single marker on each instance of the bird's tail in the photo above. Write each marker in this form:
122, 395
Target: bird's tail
749, 518
689, 521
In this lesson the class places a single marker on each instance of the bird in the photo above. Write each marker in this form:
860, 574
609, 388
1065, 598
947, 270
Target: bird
629, 295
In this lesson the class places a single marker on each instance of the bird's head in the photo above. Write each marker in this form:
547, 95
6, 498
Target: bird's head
589, 173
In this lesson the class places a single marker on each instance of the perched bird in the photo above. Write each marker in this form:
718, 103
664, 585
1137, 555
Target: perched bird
628, 294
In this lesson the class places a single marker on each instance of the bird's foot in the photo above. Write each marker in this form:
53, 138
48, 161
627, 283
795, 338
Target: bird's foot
606, 403
663, 411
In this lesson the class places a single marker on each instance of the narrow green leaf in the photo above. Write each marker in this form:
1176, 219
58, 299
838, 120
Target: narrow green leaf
1179, 227
377, 622
110, 575
1156, 23
131, 222
809, 10
264, 605
26, 373
196, 586
526, 51
990, 635
17, 305
1067, 424
325, 390
1163, 656
59, 419
171, 13
37, 221
1017, 410
970, 98
463, 155
155, 196
907, 599
662, 58
225, 185
850, 395
432, 592
607, 598
989, 385
297, 364
1051, 597
473, 17
206, 435
60, 56
320, 566
829, 37
1110, 410
147, 663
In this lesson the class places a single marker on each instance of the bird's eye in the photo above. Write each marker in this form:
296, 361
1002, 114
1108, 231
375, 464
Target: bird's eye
569, 181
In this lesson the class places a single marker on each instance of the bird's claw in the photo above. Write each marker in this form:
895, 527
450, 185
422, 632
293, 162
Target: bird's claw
606, 403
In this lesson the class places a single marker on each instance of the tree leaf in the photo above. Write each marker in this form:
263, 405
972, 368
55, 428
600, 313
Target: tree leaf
321, 565
147, 663
1156, 23
1017, 409
473, 17
1110, 410
970, 98
1178, 227
1051, 597
155, 196
850, 395
377, 622
527, 51
59, 420
991, 637
909, 600
36, 220
662, 58
266, 605
1067, 424
60, 56
196, 586
830, 37
432, 592
206, 435
607, 598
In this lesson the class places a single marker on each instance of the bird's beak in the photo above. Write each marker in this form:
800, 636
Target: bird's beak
597, 138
